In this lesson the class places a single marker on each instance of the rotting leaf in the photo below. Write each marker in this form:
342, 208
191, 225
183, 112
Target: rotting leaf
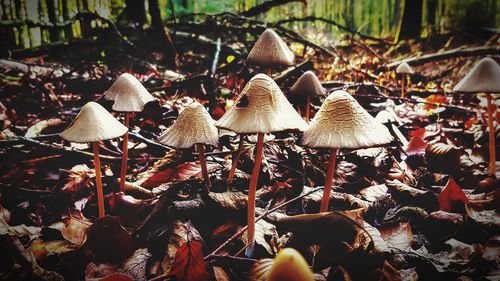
180, 233
235, 201
75, 230
398, 235
265, 235
220, 274
260, 270
378, 242
135, 266
188, 264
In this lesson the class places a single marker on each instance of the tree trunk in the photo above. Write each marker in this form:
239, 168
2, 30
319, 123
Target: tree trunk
167, 45
68, 30
411, 21
135, 11
53, 31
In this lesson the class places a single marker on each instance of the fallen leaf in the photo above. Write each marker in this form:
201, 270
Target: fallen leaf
180, 233
260, 270
135, 266
235, 201
397, 235
220, 274
265, 235
75, 230
378, 242
188, 264
450, 195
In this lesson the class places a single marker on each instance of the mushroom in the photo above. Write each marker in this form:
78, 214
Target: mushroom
404, 69
342, 123
484, 77
270, 50
289, 265
93, 124
194, 126
307, 86
129, 95
260, 108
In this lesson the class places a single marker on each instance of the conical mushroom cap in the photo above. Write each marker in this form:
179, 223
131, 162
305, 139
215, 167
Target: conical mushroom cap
307, 85
342, 123
404, 68
194, 125
483, 77
261, 108
270, 50
128, 93
291, 266
93, 123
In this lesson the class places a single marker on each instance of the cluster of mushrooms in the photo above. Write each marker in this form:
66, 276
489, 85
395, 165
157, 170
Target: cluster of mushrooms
261, 108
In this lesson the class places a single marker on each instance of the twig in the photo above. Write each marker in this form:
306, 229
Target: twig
240, 232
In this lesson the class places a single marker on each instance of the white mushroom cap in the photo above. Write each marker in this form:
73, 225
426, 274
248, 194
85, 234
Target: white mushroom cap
270, 50
93, 123
128, 93
194, 125
404, 68
342, 123
261, 108
307, 85
483, 77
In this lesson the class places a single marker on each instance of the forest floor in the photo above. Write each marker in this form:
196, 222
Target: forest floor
410, 220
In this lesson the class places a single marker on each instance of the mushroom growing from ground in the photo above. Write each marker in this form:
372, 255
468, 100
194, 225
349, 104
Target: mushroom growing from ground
484, 77
404, 69
270, 51
289, 265
260, 108
194, 126
93, 124
129, 95
307, 86
342, 123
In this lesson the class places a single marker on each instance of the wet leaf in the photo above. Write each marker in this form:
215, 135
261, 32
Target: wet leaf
188, 264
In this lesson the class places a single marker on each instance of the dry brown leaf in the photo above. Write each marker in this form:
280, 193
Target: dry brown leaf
181, 232
374, 192
235, 201
397, 235
265, 235
75, 230
135, 266
260, 270
220, 274
378, 242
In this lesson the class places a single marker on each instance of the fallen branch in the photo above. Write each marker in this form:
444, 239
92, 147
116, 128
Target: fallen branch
266, 6
458, 52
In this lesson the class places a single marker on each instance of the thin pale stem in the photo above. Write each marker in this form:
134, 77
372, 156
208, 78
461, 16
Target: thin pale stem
252, 189
403, 85
236, 159
491, 136
100, 193
203, 163
123, 172
308, 108
328, 180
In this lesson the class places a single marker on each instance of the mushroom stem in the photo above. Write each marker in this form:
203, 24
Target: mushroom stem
252, 189
491, 135
308, 108
269, 71
123, 172
97, 164
236, 159
203, 163
298, 109
403, 85
328, 180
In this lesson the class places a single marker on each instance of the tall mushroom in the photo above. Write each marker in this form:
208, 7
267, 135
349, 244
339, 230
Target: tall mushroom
270, 51
260, 108
129, 95
307, 86
342, 123
404, 69
484, 77
194, 126
93, 124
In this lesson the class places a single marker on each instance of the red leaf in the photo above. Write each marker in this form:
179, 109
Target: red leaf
188, 264
182, 172
452, 192
116, 277
416, 145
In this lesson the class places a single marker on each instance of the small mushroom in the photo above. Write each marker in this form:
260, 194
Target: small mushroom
289, 265
194, 126
93, 124
484, 77
307, 86
261, 108
404, 69
270, 51
129, 95
342, 123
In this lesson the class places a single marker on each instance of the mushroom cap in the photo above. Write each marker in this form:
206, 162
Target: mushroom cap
93, 123
342, 123
194, 125
404, 68
307, 85
483, 77
270, 50
261, 108
128, 93
291, 266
